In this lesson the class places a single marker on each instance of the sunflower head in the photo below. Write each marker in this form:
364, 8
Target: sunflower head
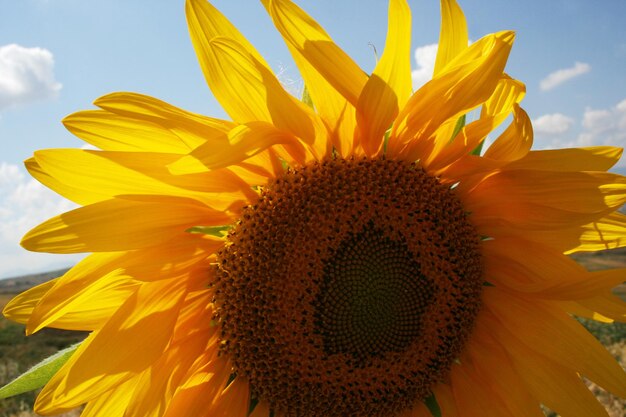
361, 276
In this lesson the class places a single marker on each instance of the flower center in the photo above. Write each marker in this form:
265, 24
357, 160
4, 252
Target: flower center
372, 297
348, 289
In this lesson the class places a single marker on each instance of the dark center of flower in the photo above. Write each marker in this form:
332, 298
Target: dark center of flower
348, 289
372, 297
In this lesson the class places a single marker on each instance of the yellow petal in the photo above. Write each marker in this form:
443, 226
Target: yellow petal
119, 350
515, 142
184, 255
607, 305
265, 99
114, 132
595, 158
507, 93
257, 169
196, 395
335, 110
198, 305
418, 409
473, 397
389, 87
453, 38
192, 128
245, 141
114, 174
71, 193
112, 403
580, 192
89, 309
608, 232
115, 225
530, 267
558, 388
205, 23
157, 385
21, 306
573, 307
553, 384
467, 166
85, 297
496, 370
229, 71
504, 218
471, 79
504, 100
547, 329
311, 41
234, 401
445, 400
471, 135
596, 282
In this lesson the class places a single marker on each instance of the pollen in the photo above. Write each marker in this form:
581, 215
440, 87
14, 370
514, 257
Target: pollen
349, 288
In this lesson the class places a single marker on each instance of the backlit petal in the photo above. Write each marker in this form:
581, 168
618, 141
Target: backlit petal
114, 225
553, 384
193, 129
453, 37
311, 41
21, 306
471, 79
558, 336
389, 86
515, 142
595, 158
115, 132
118, 350
115, 174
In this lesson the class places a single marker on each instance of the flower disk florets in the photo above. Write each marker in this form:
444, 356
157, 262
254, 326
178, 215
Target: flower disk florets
349, 288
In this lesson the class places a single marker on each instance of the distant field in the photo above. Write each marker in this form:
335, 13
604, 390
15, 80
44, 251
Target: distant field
18, 353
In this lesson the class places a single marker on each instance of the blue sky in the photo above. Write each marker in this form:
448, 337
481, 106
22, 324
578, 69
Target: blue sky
57, 56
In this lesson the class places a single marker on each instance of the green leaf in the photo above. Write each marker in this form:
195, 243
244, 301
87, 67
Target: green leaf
218, 231
460, 124
38, 375
433, 406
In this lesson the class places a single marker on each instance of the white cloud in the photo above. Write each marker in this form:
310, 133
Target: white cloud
604, 127
597, 127
597, 120
552, 124
559, 77
24, 203
26, 75
425, 60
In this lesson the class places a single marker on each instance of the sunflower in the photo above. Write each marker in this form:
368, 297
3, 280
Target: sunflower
348, 254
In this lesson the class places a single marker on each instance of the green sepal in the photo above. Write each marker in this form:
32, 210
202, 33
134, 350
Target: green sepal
218, 231
433, 406
477, 150
460, 124
38, 375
